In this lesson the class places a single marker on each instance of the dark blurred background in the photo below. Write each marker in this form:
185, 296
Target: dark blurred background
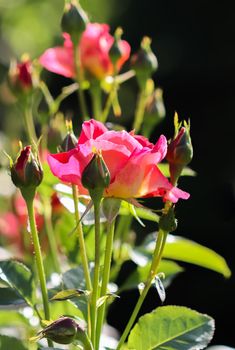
195, 45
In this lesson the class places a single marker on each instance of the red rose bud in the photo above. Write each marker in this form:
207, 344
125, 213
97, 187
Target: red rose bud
180, 152
74, 21
26, 172
20, 76
144, 62
96, 176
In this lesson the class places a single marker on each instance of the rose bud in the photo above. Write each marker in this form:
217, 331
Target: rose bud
116, 50
144, 62
62, 331
96, 176
180, 151
20, 76
74, 21
69, 142
26, 172
65, 331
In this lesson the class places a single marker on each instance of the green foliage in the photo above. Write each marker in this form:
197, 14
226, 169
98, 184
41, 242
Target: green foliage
169, 268
10, 298
11, 343
173, 328
185, 250
18, 277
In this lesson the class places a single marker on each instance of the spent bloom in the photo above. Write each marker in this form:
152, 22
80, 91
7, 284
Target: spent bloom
93, 47
131, 160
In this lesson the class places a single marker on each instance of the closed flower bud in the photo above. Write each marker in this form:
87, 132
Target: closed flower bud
20, 77
144, 62
116, 51
62, 331
74, 21
26, 172
96, 176
69, 142
180, 151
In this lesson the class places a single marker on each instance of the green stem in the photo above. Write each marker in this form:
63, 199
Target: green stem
108, 104
140, 109
105, 279
81, 239
95, 290
96, 99
51, 234
29, 124
77, 63
121, 234
39, 261
157, 255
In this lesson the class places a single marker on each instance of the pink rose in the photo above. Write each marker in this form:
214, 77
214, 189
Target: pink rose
131, 160
94, 49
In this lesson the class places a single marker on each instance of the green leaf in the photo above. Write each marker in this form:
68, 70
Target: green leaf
18, 277
164, 167
179, 248
169, 268
10, 299
74, 279
69, 294
11, 343
173, 328
182, 249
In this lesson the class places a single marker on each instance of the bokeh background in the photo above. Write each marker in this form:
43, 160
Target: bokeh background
195, 45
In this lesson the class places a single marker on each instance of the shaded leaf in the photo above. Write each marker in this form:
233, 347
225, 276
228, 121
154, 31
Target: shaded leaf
74, 279
172, 327
10, 299
169, 268
17, 276
11, 343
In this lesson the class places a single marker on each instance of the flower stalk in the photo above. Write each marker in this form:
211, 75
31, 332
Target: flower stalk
95, 289
105, 278
82, 246
157, 256
39, 260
